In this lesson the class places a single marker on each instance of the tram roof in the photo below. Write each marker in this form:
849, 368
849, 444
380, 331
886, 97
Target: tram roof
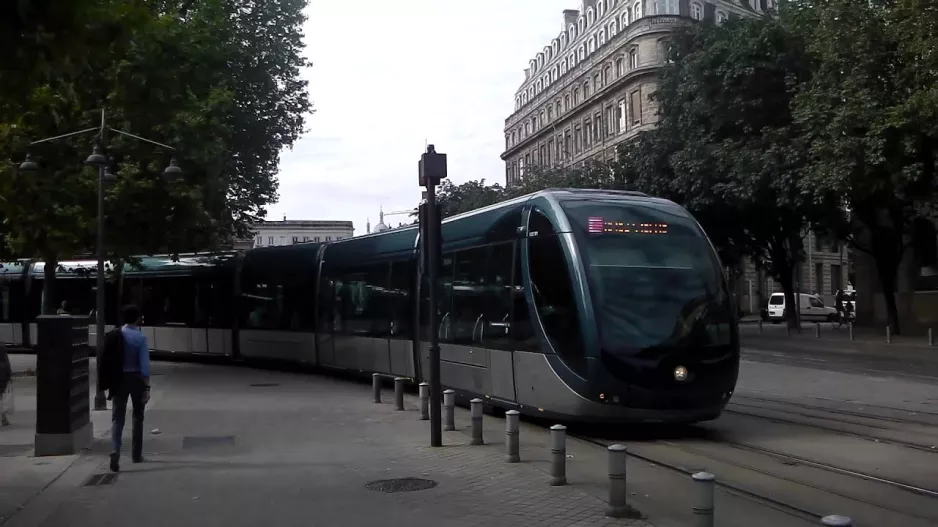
153, 264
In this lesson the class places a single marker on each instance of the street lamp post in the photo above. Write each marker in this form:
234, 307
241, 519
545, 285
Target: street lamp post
99, 160
432, 170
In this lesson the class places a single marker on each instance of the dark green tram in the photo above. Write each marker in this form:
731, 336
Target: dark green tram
585, 304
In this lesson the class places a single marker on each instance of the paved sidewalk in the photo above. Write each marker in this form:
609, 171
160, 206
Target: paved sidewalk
22, 476
238, 446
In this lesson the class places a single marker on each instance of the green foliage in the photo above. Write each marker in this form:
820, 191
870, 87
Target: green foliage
869, 114
218, 79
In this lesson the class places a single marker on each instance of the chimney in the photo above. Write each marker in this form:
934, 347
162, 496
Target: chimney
284, 217
569, 17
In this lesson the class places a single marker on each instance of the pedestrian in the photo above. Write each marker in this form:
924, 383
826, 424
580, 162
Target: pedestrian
133, 383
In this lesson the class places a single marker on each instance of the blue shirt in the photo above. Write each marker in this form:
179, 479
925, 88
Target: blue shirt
136, 351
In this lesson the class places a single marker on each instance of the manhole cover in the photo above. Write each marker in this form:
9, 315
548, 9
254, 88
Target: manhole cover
400, 485
264, 385
194, 442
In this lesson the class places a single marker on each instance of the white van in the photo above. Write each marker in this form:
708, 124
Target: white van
812, 308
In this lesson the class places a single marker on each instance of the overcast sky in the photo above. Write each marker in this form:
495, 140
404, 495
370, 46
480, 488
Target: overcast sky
387, 77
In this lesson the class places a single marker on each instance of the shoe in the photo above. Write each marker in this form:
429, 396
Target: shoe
115, 464
138, 459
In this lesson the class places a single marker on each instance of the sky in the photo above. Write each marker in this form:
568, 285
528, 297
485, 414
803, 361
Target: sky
390, 77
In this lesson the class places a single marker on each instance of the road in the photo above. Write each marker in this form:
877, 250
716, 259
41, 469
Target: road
814, 428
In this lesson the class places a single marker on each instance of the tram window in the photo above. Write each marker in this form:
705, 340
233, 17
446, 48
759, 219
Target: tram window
213, 297
495, 327
554, 295
167, 300
444, 300
363, 300
468, 293
276, 300
521, 328
399, 301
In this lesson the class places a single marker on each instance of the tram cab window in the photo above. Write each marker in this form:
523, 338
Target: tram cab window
553, 289
522, 330
480, 309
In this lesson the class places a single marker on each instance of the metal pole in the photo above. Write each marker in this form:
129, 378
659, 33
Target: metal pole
851, 331
436, 428
512, 428
558, 455
618, 492
817, 329
931, 338
703, 507
399, 392
424, 401
888, 335
376, 386
100, 400
476, 407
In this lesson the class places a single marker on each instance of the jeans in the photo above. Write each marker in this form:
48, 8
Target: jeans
131, 386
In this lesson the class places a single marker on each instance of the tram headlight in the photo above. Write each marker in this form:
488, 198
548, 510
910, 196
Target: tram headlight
680, 374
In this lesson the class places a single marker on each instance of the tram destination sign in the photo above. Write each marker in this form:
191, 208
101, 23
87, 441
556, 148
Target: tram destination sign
599, 225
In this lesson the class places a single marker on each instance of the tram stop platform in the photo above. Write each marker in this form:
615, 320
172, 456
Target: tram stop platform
234, 446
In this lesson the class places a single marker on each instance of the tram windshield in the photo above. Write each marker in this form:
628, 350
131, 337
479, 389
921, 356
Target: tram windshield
655, 280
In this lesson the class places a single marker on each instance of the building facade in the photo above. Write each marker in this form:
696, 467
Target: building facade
589, 89
289, 232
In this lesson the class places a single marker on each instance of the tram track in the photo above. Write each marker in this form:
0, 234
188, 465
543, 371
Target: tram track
867, 427
734, 470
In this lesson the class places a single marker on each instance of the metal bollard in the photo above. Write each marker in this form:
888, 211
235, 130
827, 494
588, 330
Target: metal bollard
399, 392
476, 410
558, 455
787, 329
817, 329
449, 410
760, 325
851, 331
888, 335
512, 428
837, 521
931, 338
424, 401
376, 386
703, 506
618, 493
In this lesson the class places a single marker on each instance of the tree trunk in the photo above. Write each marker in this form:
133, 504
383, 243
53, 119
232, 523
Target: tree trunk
48, 285
887, 267
118, 302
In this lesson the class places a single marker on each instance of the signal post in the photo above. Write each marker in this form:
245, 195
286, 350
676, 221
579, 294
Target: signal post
432, 170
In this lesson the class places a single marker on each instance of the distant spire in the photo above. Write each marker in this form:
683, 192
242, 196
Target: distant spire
367, 225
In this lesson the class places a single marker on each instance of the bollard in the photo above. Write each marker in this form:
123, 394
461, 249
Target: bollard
851, 330
424, 401
449, 410
399, 392
817, 329
787, 329
931, 338
618, 493
512, 427
760, 325
837, 521
888, 335
558, 455
476, 407
376, 386
703, 506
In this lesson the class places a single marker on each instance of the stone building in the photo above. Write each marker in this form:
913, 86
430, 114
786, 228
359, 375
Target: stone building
589, 89
289, 232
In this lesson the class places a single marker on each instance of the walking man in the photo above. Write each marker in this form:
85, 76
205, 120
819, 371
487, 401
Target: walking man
134, 383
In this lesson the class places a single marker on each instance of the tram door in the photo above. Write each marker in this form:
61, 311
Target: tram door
325, 340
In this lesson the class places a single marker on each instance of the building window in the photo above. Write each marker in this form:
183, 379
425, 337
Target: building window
577, 139
625, 19
620, 67
259, 241
586, 89
602, 37
270, 240
696, 11
633, 58
582, 52
550, 113
576, 96
566, 144
620, 115
283, 240
592, 45
637, 10
655, 7
296, 240
588, 136
316, 239
721, 17
635, 109
566, 102
612, 29
328, 238
607, 71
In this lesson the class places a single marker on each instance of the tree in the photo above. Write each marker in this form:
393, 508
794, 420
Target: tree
726, 147
225, 78
456, 199
869, 112
593, 174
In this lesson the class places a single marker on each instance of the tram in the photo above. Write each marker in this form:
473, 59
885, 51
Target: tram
584, 305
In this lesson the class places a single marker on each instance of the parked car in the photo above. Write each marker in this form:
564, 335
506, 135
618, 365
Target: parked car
812, 308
